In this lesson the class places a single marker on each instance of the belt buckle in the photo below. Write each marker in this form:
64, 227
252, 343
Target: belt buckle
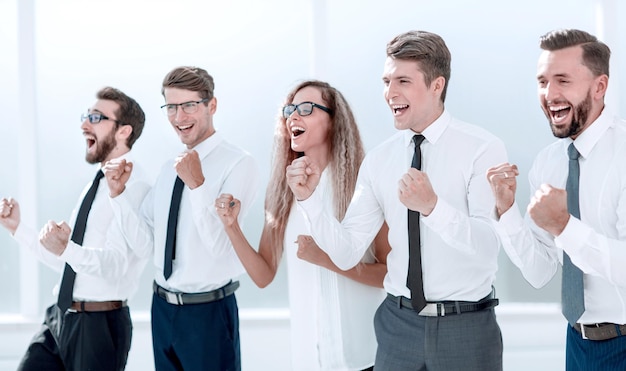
174, 297
582, 331
433, 310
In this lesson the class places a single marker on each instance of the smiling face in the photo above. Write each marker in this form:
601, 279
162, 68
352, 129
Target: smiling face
192, 128
414, 105
101, 138
309, 134
570, 96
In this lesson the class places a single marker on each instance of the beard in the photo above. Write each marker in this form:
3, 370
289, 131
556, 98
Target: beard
579, 120
105, 146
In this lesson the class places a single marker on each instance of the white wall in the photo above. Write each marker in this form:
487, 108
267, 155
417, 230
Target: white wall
257, 50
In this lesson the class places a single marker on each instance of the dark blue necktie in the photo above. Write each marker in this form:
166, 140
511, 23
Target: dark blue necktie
66, 290
172, 222
414, 277
572, 286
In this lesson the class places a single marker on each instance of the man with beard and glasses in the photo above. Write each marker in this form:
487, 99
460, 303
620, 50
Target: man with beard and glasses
577, 215
90, 326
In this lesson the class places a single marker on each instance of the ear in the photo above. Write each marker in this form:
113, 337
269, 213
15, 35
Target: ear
213, 105
438, 84
123, 132
601, 85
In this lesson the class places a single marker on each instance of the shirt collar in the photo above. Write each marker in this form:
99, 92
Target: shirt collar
206, 146
128, 156
433, 132
585, 142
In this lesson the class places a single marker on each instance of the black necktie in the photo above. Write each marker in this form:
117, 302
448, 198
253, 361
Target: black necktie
572, 285
414, 277
172, 221
67, 283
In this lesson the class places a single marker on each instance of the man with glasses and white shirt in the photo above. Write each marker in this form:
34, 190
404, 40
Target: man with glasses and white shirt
90, 326
195, 324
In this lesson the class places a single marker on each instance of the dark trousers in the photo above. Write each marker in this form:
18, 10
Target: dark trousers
407, 341
95, 341
590, 355
196, 337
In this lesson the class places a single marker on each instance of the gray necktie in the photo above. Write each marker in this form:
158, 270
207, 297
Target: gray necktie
572, 288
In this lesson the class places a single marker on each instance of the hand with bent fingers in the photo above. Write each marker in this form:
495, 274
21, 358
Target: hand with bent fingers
54, 237
416, 192
303, 176
309, 251
117, 172
548, 209
10, 214
189, 168
227, 208
503, 182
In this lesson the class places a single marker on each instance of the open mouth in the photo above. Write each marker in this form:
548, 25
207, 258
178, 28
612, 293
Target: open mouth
559, 113
296, 131
91, 141
184, 128
399, 108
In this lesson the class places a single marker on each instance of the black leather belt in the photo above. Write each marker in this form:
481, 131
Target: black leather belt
96, 306
179, 298
447, 308
600, 331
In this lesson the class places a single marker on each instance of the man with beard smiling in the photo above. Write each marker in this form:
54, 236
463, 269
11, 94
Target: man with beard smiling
586, 234
92, 329
195, 321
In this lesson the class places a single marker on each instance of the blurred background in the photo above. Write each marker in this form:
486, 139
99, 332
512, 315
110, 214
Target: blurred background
56, 54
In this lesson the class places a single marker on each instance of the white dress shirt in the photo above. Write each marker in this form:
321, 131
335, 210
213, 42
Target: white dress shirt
332, 316
204, 259
596, 242
459, 244
106, 268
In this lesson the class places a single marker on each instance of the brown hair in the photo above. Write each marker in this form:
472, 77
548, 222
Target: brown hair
596, 54
129, 113
428, 50
346, 156
190, 78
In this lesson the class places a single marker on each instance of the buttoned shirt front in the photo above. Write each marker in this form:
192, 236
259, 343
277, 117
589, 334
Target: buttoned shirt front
204, 259
459, 245
106, 267
596, 242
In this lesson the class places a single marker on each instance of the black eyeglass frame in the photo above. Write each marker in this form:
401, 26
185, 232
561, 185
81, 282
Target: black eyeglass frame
166, 107
296, 107
95, 117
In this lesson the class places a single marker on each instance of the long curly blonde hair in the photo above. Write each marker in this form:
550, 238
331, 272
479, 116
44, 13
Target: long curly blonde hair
346, 156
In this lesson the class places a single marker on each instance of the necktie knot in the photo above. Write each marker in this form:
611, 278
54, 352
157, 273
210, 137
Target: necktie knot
417, 155
418, 139
572, 152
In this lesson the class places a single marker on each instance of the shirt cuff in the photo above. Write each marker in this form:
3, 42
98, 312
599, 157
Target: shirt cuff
25, 235
72, 253
312, 206
199, 195
573, 237
440, 216
511, 222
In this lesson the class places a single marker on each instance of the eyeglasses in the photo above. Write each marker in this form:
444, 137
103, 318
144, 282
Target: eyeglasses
304, 109
187, 107
94, 118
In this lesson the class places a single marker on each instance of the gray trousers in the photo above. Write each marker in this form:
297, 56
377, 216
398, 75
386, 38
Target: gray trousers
406, 341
